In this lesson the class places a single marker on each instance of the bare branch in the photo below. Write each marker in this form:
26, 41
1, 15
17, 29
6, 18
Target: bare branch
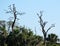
45, 23
38, 15
17, 18
50, 27
40, 21
20, 13
10, 7
41, 13
8, 11
35, 31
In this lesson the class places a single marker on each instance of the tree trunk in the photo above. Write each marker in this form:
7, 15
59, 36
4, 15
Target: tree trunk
45, 39
14, 20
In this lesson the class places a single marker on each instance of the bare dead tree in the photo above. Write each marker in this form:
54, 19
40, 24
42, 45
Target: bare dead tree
13, 11
35, 31
43, 24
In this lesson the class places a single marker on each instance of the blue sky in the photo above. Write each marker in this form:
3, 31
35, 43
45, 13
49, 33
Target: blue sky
51, 13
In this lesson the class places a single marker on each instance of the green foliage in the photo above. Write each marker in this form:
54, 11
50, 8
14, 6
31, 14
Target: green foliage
22, 37
52, 38
2, 40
